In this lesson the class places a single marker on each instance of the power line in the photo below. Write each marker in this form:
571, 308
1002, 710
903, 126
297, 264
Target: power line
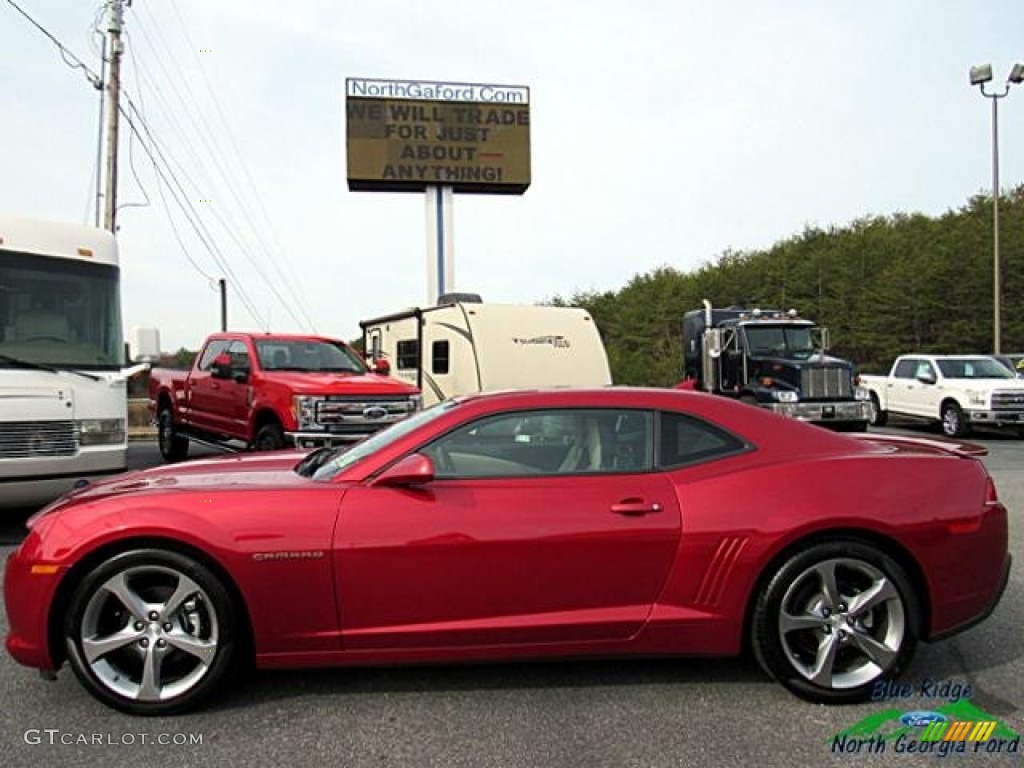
275, 262
69, 58
177, 191
167, 179
215, 155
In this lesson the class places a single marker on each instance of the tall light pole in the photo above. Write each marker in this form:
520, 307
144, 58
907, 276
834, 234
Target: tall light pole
980, 75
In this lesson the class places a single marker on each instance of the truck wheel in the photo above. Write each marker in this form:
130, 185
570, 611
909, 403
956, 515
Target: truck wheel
878, 416
269, 438
953, 422
173, 447
836, 618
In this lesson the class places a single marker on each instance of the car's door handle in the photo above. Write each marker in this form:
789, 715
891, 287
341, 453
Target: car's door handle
634, 507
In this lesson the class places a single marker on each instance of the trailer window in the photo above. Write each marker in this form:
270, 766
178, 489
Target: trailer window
439, 357
408, 354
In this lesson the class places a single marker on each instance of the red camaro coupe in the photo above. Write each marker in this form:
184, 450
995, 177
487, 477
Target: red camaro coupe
519, 525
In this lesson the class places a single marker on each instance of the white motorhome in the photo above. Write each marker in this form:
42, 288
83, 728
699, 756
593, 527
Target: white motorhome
63, 400
464, 345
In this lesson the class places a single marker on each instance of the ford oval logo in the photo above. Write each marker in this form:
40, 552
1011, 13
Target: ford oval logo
922, 718
375, 412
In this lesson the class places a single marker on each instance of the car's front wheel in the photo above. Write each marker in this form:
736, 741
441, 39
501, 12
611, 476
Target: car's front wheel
150, 631
954, 423
836, 618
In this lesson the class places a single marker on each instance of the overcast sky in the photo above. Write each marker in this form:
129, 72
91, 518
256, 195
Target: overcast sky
663, 133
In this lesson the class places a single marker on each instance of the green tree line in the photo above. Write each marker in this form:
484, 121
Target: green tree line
883, 285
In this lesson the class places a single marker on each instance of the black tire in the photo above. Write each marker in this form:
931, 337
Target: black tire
796, 594
878, 416
270, 437
191, 645
953, 421
173, 447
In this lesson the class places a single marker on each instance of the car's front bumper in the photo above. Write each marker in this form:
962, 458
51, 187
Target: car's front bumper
857, 410
324, 439
996, 418
29, 589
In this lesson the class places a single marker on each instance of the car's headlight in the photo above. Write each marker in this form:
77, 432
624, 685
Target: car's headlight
786, 396
304, 411
416, 402
976, 397
101, 431
861, 393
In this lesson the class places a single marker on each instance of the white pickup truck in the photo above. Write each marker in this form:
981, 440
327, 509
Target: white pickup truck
958, 391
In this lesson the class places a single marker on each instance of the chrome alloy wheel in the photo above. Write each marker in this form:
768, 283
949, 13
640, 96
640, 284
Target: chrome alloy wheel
149, 633
842, 623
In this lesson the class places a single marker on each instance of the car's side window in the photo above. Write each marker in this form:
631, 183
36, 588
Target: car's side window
213, 349
239, 356
905, 369
686, 440
547, 442
924, 369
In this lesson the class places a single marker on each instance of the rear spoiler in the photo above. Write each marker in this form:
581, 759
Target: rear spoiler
937, 444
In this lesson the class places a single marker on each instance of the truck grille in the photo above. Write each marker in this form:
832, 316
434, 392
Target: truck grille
1007, 400
340, 414
831, 383
30, 439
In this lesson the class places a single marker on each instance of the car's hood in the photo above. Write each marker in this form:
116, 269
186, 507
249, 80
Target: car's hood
994, 383
259, 471
315, 383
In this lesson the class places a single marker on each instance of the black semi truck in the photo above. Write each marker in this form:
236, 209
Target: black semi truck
772, 359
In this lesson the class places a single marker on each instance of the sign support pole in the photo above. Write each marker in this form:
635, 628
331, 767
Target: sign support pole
440, 242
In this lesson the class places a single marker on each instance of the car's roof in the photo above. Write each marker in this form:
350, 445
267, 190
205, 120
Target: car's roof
978, 356
270, 336
725, 411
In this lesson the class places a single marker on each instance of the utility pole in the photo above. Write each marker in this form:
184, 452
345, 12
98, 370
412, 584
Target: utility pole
115, 20
223, 303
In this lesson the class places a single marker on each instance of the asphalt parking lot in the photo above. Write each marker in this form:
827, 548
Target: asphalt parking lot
604, 713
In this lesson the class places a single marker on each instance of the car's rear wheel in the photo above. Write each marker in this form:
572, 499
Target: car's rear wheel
836, 618
173, 447
150, 632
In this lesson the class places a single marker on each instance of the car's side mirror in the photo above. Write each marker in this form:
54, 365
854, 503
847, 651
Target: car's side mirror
382, 366
927, 378
240, 376
221, 368
412, 471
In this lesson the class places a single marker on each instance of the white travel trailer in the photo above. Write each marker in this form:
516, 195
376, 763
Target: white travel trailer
464, 345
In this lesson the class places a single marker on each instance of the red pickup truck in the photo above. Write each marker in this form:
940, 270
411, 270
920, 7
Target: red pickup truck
269, 391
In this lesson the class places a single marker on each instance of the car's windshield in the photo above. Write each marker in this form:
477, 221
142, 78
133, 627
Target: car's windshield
277, 354
974, 368
346, 457
780, 340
